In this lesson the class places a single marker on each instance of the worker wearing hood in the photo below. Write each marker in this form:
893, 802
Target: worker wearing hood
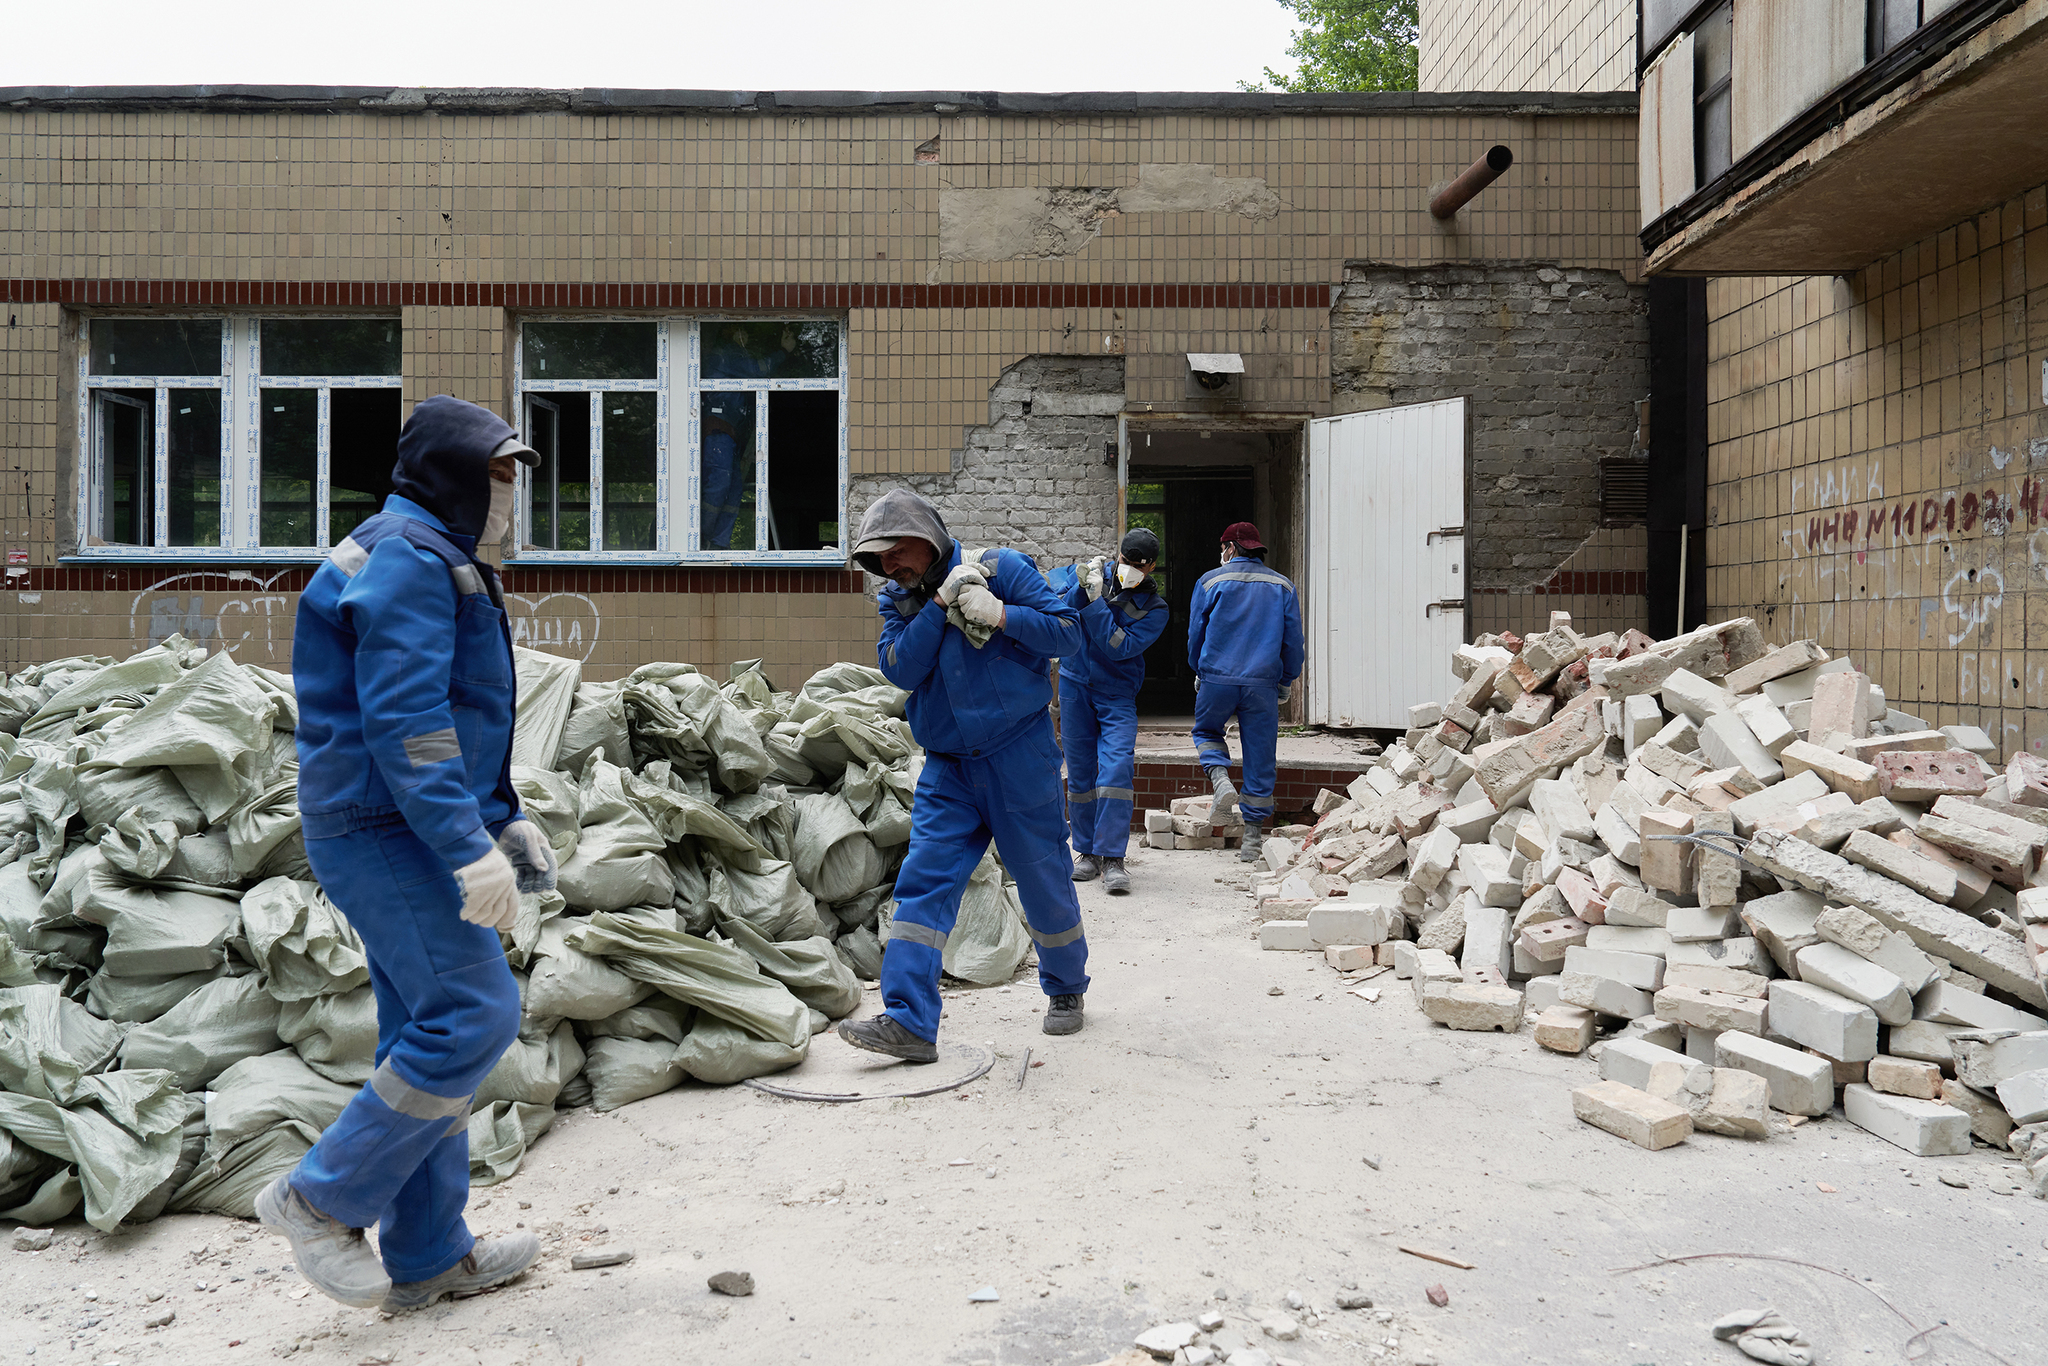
971, 636
403, 667
1122, 615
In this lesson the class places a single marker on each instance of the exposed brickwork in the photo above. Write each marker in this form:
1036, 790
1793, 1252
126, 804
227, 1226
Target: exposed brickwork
1159, 781
1552, 362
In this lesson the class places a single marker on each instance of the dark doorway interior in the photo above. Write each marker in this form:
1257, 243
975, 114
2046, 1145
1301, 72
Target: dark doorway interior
1187, 507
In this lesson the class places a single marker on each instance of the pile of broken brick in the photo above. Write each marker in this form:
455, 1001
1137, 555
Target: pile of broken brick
1738, 875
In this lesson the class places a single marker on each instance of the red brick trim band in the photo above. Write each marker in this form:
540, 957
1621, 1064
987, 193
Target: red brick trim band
1595, 583
291, 578
1158, 781
399, 294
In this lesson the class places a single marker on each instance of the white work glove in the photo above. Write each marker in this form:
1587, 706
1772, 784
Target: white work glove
962, 577
531, 856
1091, 582
976, 603
490, 892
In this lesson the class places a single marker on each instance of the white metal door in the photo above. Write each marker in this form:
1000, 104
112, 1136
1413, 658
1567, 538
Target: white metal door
1386, 561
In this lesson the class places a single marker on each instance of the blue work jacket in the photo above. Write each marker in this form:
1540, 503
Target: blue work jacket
1244, 625
1116, 630
966, 702
403, 665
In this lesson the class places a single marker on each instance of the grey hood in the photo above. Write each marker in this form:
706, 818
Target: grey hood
896, 514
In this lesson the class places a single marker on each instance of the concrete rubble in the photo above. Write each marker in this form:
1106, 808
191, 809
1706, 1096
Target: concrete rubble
1736, 878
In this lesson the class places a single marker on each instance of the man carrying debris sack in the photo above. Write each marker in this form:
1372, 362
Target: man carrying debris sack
971, 636
1244, 644
1121, 615
403, 666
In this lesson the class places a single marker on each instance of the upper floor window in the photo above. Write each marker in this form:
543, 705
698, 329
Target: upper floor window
718, 438
182, 448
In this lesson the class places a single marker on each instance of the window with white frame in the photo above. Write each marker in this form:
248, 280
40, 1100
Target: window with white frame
186, 450
752, 409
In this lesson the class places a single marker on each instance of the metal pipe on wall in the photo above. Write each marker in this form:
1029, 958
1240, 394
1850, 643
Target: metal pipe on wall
1476, 177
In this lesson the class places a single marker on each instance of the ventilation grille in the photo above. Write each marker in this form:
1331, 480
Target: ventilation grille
1624, 492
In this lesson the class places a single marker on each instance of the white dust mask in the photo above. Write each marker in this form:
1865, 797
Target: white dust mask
499, 519
1130, 576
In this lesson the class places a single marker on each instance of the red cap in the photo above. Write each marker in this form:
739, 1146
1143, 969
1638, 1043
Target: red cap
1244, 534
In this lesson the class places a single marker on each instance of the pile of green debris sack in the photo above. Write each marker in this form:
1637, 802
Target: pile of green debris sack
183, 1010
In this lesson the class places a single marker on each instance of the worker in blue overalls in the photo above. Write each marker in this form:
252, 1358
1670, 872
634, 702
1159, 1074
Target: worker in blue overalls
1244, 644
971, 635
1121, 615
403, 666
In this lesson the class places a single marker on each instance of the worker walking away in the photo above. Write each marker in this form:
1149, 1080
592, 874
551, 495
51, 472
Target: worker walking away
1244, 644
403, 666
1121, 615
971, 635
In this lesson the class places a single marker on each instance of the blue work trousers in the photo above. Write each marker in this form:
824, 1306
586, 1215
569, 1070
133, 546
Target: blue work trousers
1099, 732
1256, 707
447, 1009
1014, 796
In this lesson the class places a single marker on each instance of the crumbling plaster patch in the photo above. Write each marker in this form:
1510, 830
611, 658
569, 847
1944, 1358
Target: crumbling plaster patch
1029, 223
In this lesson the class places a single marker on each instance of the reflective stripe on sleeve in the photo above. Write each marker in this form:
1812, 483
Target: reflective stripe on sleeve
349, 557
435, 747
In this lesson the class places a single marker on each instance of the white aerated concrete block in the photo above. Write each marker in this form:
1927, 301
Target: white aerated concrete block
1643, 971
2025, 1096
1946, 1003
1630, 939
1842, 972
1605, 995
1766, 723
1925, 1128
1540, 994
1817, 1018
1686, 694
1692, 924
1727, 742
1488, 939
1290, 936
1801, 1084
1629, 1061
1741, 953
1337, 922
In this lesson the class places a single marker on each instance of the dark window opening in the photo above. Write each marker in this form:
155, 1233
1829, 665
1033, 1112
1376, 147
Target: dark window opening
362, 446
555, 349
290, 420
331, 346
803, 469
193, 501
156, 346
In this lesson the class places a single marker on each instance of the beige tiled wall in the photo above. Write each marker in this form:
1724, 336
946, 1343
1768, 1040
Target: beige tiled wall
453, 198
1879, 444
1574, 45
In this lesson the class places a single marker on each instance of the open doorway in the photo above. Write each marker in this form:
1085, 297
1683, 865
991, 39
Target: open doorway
1186, 482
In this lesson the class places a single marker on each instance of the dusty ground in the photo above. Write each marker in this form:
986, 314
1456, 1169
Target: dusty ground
1201, 1146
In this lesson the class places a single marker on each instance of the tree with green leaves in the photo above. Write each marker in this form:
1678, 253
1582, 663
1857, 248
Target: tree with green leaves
1348, 45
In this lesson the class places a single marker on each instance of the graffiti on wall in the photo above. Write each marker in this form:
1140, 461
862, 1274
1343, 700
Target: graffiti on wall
254, 623
1944, 568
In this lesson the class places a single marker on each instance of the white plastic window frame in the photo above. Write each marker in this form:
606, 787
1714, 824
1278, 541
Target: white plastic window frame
241, 438
678, 417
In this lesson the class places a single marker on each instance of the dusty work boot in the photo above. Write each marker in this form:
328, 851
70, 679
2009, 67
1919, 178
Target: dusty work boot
336, 1258
1115, 880
1254, 847
493, 1261
882, 1034
1086, 869
1063, 1016
1226, 796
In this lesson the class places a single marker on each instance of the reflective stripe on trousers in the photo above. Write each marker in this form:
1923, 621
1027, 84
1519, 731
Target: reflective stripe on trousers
1099, 733
1256, 708
1012, 797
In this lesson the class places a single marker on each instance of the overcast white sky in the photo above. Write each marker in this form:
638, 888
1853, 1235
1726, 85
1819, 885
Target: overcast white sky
687, 44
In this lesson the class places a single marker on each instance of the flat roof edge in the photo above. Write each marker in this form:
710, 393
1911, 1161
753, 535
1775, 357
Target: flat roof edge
598, 100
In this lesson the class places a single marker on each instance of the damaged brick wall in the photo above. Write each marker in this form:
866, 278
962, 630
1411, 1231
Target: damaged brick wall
1034, 477
1551, 361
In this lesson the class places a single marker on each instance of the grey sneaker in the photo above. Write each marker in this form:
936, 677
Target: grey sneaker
493, 1261
1063, 1016
1226, 796
1115, 880
882, 1034
1254, 847
336, 1258
1086, 868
